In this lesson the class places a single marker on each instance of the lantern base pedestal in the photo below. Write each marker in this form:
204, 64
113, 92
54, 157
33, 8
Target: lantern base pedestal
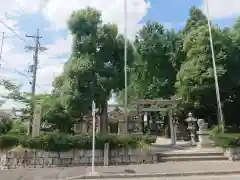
204, 139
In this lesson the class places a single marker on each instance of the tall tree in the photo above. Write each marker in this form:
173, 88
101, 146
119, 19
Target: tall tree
232, 91
196, 19
158, 56
96, 66
195, 80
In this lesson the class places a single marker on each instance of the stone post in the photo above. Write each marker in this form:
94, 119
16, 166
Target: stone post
121, 126
84, 127
36, 124
172, 131
106, 155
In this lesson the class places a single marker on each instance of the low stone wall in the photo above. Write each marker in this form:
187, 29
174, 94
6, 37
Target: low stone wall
233, 154
76, 158
135, 156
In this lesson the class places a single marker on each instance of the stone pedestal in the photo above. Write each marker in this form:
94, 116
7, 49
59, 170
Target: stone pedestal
203, 135
204, 139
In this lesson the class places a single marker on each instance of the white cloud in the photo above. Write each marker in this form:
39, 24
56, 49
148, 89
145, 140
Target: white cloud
18, 7
46, 76
220, 9
60, 47
58, 12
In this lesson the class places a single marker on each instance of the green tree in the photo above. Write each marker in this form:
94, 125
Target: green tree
195, 80
158, 55
196, 19
14, 92
96, 66
19, 128
56, 117
232, 91
52, 112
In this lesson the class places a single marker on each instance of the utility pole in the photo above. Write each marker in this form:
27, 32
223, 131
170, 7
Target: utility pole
33, 70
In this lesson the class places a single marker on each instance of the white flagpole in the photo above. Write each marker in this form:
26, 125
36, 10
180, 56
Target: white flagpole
125, 67
220, 113
93, 136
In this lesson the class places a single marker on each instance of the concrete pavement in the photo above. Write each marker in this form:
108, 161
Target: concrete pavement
163, 169
230, 177
168, 169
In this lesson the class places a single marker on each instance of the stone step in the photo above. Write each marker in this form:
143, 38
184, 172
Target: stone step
194, 158
192, 154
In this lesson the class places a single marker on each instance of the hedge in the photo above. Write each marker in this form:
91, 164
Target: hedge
8, 141
61, 142
227, 140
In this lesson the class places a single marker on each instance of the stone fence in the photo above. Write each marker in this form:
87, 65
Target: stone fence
105, 157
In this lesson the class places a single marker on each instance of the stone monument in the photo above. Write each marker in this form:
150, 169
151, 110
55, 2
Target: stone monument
36, 125
203, 134
192, 127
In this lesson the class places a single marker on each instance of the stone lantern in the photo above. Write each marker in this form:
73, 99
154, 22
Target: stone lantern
192, 127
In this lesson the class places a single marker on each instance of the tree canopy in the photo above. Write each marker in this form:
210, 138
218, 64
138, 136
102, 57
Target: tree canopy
162, 63
178, 64
96, 65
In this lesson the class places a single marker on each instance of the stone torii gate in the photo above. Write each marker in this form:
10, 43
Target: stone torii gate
157, 105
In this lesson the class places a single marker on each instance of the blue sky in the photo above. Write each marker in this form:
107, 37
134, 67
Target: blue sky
172, 13
51, 18
176, 12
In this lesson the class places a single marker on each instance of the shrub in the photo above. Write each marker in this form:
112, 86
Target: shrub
150, 139
8, 141
19, 128
62, 142
214, 131
6, 125
56, 142
227, 140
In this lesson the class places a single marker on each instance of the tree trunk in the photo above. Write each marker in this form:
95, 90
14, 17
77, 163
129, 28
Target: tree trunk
104, 118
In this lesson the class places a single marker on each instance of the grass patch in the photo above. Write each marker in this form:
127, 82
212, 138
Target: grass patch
227, 140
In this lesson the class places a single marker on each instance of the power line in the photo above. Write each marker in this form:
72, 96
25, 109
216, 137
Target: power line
14, 32
42, 49
15, 69
20, 37
21, 73
1, 50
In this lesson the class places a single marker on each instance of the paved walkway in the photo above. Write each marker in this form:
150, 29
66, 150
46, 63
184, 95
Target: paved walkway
230, 177
171, 167
163, 145
174, 167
